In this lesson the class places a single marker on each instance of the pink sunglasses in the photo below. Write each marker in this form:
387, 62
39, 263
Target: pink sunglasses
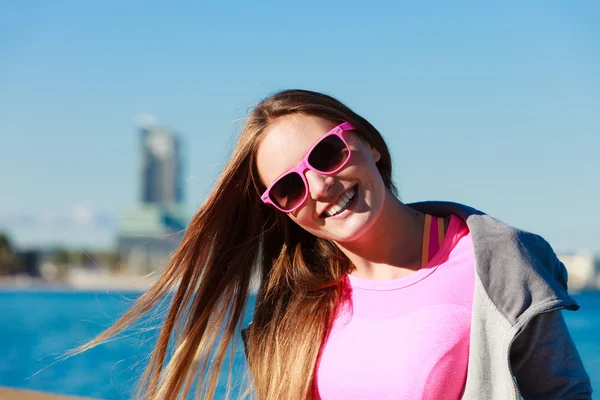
326, 157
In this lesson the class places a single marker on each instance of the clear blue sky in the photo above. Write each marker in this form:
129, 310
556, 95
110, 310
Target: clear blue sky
494, 104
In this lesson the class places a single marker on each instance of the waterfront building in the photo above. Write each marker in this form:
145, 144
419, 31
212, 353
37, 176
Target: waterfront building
148, 235
161, 166
584, 270
150, 231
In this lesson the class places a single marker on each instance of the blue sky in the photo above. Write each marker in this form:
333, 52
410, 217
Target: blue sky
490, 104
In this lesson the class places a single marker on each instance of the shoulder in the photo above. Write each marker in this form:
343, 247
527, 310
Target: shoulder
492, 237
518, 270
497, 243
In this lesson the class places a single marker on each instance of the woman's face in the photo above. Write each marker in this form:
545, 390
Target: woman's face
283, 146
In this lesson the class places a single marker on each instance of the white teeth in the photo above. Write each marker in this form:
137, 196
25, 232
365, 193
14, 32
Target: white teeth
342, 203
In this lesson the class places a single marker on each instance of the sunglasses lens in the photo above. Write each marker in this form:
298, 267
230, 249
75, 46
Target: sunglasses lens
329, 154
288, 191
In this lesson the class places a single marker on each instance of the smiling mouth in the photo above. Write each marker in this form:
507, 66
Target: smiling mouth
342, 203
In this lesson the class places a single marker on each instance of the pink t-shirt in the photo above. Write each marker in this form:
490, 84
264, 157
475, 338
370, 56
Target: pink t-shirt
406, 338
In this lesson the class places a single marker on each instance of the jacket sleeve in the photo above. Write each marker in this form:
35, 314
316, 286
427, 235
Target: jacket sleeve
546, 363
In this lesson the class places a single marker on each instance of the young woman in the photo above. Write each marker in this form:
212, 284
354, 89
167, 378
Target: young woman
361, 296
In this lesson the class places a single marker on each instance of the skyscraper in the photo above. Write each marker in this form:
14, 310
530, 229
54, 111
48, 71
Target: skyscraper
162, 174
151, 231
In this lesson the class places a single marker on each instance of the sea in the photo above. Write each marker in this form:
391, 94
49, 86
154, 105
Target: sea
39, 326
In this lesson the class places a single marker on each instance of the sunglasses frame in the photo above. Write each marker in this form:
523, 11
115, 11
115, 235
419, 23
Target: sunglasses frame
304, 165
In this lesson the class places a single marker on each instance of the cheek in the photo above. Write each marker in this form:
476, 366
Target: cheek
302, 218
305, 221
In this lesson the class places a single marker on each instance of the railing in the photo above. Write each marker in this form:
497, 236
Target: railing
19, 394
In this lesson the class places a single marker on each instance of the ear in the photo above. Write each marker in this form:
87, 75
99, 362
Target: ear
375, 154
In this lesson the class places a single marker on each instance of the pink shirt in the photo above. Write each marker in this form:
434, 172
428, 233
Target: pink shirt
406, 338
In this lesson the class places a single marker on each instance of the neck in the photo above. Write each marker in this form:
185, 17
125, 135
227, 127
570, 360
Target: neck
391, 247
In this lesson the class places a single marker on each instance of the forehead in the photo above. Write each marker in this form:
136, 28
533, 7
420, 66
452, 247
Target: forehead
285, 143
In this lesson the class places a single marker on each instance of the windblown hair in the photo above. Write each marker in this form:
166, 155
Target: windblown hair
232, 238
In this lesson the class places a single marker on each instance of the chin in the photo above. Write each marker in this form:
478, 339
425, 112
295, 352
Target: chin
353, 229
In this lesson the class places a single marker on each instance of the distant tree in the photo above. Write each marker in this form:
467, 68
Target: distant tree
60, 257
107, 259
114, 260
88, 258
115, 257
76, 257
7, 254
5, 241
82, 257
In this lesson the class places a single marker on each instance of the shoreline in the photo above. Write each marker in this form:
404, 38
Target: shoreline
87, 281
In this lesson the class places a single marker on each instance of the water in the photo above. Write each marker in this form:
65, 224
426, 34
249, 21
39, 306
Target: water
38, 326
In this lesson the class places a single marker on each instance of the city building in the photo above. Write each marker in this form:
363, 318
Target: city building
162, 167
148, 235
584, 270
150, 232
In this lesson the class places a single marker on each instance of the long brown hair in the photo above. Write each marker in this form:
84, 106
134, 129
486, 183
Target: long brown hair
232, 238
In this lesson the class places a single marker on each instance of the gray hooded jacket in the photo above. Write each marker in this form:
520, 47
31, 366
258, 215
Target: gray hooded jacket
520, 345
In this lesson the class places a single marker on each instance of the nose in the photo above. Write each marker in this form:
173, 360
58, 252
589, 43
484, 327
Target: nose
319, 185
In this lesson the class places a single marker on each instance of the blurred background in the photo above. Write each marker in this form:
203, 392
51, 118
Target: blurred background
117, 117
